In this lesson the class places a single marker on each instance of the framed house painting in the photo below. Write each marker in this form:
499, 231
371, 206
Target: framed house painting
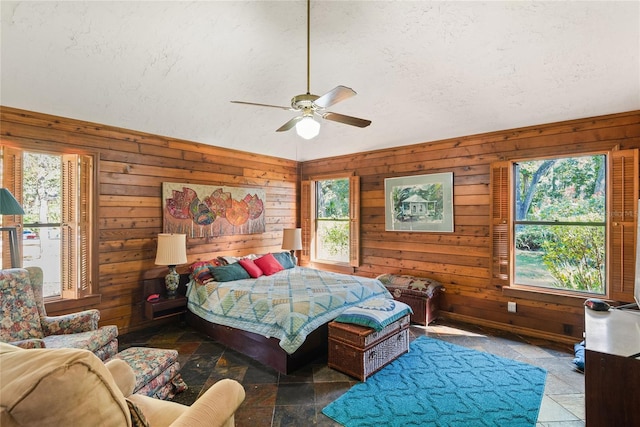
419, 203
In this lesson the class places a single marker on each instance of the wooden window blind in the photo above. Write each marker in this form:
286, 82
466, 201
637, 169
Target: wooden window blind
501, 226
622, 221
306, 207
12, 180
77, 213
354, 221
307, 214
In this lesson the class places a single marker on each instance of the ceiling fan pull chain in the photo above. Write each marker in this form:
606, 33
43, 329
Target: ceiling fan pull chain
308, 47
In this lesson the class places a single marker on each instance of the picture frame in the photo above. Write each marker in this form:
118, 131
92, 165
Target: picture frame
419, 203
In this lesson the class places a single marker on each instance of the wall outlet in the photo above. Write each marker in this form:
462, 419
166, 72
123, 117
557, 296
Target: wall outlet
511, 307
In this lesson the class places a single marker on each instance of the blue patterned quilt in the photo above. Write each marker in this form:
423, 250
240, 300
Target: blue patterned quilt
287, 305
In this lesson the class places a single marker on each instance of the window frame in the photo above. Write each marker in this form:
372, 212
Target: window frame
621, 222
308, 220
82, 167
548, 223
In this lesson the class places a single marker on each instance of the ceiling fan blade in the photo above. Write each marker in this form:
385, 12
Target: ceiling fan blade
263, 105
335, 95
348, 120
291, 123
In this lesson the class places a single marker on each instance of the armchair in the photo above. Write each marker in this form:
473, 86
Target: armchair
73, 387
24, 321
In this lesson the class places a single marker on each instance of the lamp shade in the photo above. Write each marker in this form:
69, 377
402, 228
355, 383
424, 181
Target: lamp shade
307, 128
172, 249
292, 239
8, 204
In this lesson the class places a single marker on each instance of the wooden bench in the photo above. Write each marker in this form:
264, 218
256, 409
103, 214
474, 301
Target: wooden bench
419, 293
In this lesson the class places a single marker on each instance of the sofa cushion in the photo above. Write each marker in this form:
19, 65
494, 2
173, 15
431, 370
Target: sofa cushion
20, 318
44, 386
157, 371
91, 340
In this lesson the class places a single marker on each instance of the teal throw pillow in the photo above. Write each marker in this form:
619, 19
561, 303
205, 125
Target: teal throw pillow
227, 273
284, 258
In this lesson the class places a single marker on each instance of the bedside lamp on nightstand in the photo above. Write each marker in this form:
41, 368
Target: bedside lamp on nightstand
172, 251
292, 240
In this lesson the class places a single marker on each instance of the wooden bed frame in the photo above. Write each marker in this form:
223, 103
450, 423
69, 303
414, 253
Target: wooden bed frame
265, 350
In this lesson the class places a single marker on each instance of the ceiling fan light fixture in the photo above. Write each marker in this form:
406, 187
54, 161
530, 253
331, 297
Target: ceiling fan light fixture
307, 128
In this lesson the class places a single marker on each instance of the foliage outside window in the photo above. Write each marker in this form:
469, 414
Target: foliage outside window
330, 219
560, 223
41, 201
56, 194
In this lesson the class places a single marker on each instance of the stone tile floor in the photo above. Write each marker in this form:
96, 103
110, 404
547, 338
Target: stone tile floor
274, 399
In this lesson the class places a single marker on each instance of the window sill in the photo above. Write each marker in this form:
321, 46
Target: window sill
545, 296
55, 306
335, 267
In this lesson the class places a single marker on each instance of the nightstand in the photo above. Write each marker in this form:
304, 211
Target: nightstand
164, 307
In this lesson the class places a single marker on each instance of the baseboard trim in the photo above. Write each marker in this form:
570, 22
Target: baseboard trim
510, 328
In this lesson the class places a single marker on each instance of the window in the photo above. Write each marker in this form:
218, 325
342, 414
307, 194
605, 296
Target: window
55, 191
330, 220
559, 227
565, 224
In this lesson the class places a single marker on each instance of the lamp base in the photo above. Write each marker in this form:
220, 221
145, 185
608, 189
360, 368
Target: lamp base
14, 250
171, 281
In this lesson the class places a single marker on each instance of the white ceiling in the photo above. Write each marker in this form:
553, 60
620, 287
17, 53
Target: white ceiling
423, 70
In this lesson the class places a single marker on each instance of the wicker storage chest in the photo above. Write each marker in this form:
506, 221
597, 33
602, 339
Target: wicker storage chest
360, 351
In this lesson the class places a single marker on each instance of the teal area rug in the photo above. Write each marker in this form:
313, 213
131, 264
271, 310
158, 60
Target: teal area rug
442, 384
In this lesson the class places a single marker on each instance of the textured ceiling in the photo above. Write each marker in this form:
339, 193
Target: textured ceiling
423, 70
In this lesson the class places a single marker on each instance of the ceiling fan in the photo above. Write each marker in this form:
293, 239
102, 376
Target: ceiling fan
309, 105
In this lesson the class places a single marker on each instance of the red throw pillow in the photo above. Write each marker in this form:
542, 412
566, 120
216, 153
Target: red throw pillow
268, 264
251, 267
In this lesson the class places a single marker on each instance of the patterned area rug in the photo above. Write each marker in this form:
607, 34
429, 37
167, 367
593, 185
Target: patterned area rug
442, 384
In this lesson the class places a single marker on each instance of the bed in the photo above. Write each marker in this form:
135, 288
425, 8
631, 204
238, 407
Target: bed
279, 319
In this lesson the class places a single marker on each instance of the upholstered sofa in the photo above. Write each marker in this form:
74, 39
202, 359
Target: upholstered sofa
72, 387
24, 321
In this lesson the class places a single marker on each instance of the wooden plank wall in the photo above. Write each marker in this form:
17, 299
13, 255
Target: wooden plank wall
132, 167
461, 259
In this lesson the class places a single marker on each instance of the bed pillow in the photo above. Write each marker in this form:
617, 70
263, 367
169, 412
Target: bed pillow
268, 264
200, 271
284, 258
227, 273
226, 260
375, 313
251, 267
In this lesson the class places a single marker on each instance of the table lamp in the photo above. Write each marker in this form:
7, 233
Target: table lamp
172, 251
10, 206
292, 240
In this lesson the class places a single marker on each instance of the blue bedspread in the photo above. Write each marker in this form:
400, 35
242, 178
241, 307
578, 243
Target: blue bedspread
287, 305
